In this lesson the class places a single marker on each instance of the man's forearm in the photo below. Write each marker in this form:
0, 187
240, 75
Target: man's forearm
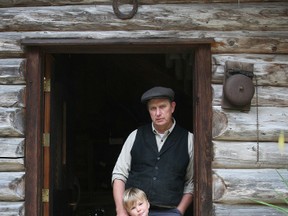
118, 191
185, 202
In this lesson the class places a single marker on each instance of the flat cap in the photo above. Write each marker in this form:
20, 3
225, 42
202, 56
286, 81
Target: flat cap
158, 92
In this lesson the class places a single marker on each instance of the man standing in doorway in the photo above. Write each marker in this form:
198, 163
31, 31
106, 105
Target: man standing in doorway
157, 158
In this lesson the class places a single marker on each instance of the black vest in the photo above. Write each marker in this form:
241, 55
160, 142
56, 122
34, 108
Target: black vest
160, 174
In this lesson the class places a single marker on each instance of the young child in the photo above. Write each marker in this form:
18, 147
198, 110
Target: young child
135, 202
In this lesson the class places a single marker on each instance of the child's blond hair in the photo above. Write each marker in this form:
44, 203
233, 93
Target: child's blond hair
131, 196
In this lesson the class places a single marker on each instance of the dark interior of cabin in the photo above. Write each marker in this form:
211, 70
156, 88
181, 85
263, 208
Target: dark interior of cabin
100, 106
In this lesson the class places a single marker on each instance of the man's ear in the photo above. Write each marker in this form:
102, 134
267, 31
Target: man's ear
173, 104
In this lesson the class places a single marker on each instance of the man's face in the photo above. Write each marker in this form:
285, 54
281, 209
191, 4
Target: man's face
161, 111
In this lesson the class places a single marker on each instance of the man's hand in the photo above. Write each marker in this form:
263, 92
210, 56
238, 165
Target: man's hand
122, 213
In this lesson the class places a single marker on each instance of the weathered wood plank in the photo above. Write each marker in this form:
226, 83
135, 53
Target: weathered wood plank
33, 136
213, 17
12, 71
244, 155
242, 126
12, 186
203, 114
5, 3
242, 42
268, 69
240, 185
268, 96
12, 209
11, 122
246, 210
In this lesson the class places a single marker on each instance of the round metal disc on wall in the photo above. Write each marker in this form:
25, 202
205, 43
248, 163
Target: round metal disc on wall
239, 90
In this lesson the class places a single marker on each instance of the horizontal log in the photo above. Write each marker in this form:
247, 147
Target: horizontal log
11, 154
242, 42
268, 69
12, 208
212, 17
242, 126
12, 71
247, 210
249, 155
242, 185
12, 164
12, 147
12, 95
12, 186
11, 122
264, 96
10, 47
93, 2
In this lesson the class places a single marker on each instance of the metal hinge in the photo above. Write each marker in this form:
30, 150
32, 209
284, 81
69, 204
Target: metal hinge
45, 195
46, 140
47, 85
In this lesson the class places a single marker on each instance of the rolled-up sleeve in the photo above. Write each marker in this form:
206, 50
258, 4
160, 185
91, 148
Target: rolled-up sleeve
123, 163
189, 183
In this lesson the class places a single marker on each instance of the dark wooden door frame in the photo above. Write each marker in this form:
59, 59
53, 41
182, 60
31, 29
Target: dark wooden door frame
34, 128
35, 49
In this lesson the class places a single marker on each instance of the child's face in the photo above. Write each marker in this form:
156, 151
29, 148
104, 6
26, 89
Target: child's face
139, 208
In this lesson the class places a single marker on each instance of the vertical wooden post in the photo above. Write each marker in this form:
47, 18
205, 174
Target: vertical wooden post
33, 150
202, 132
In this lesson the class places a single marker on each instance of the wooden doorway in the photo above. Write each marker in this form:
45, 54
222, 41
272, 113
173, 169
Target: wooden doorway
98, 70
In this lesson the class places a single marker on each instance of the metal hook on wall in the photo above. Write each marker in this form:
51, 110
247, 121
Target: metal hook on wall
124, 16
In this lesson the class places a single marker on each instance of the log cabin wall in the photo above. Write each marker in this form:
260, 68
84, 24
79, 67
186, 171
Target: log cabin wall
244, 144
